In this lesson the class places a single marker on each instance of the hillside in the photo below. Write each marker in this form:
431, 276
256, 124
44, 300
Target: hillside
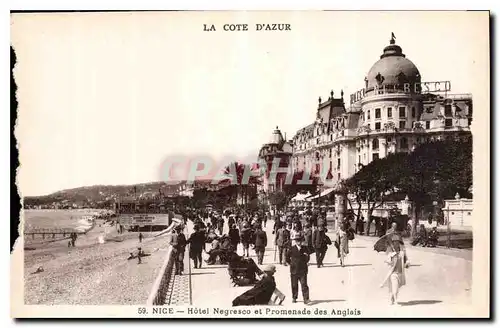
103, 196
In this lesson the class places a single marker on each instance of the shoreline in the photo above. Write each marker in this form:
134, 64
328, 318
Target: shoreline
93, 273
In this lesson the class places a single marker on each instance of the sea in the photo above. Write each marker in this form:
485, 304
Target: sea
80, 220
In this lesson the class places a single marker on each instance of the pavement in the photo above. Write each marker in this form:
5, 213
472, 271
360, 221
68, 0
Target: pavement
438, 282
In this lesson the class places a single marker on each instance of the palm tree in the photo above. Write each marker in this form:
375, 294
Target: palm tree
236, 172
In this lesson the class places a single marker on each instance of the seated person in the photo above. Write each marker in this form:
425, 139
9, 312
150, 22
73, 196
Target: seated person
243, 271
220, 248
211, 235
433, 237
261, 293
421, 238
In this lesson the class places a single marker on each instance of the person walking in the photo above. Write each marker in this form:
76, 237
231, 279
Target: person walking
260, 244
234, 236
140, 237
398, 263
139, 255
245, 238
178, 246
197, 245
342, 244
220, 225
320, 244
283, 242
298, 258
308, 242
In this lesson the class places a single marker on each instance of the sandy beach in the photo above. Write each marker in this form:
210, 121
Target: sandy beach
94, 273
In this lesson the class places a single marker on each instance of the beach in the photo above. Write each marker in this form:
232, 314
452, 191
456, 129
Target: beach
96, 271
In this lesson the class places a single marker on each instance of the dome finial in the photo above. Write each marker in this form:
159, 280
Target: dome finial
393, 38
341, 93
331, 93
319, 100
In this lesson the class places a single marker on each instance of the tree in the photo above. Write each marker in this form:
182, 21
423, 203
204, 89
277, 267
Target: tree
237, 172
433, 171
372, 183
278, 199
436, 171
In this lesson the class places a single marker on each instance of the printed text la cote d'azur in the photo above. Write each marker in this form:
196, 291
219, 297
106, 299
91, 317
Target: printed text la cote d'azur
246, 27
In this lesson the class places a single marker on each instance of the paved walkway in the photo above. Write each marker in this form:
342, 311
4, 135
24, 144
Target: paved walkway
437, 284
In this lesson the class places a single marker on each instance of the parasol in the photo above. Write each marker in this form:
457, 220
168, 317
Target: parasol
381, 244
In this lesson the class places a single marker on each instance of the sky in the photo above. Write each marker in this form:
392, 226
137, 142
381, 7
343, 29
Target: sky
106, 98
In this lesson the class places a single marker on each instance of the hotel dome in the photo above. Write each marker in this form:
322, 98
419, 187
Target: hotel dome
393, 68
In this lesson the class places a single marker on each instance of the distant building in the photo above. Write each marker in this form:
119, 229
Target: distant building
394, 112
459, 212
278, 151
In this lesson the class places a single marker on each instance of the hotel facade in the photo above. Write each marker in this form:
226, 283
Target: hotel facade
394, 112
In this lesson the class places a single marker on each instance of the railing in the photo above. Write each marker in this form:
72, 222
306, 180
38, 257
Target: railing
159, 291
161, 287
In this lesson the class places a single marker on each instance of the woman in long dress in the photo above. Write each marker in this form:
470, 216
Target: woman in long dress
397, 262
343, 244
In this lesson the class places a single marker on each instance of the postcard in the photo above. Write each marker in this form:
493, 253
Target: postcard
231, 164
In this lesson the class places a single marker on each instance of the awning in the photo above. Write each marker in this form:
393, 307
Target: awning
323, 193
301, 197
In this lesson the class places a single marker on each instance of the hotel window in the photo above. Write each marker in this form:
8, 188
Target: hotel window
368, 114
389, 112
338, 176
375, 144
330, 152
331, 137
389, 139
377, 126
448, 122
447, 110
402, 111
338, 163
359, 158
377, 113
427, 124
402, 124
413, 113
375, 156
470, 120
404, 143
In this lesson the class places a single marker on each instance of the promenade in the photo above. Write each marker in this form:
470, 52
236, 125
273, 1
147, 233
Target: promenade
429, 290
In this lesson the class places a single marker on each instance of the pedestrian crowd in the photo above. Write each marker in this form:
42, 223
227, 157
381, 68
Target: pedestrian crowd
294, 238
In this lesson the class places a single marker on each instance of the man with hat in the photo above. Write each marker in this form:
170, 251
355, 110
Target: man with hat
298, 258
261, 293
246, 238
260, 243
197, 245
178, 243
283, 242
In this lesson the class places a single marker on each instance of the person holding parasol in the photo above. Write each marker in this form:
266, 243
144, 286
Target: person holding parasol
397, 261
